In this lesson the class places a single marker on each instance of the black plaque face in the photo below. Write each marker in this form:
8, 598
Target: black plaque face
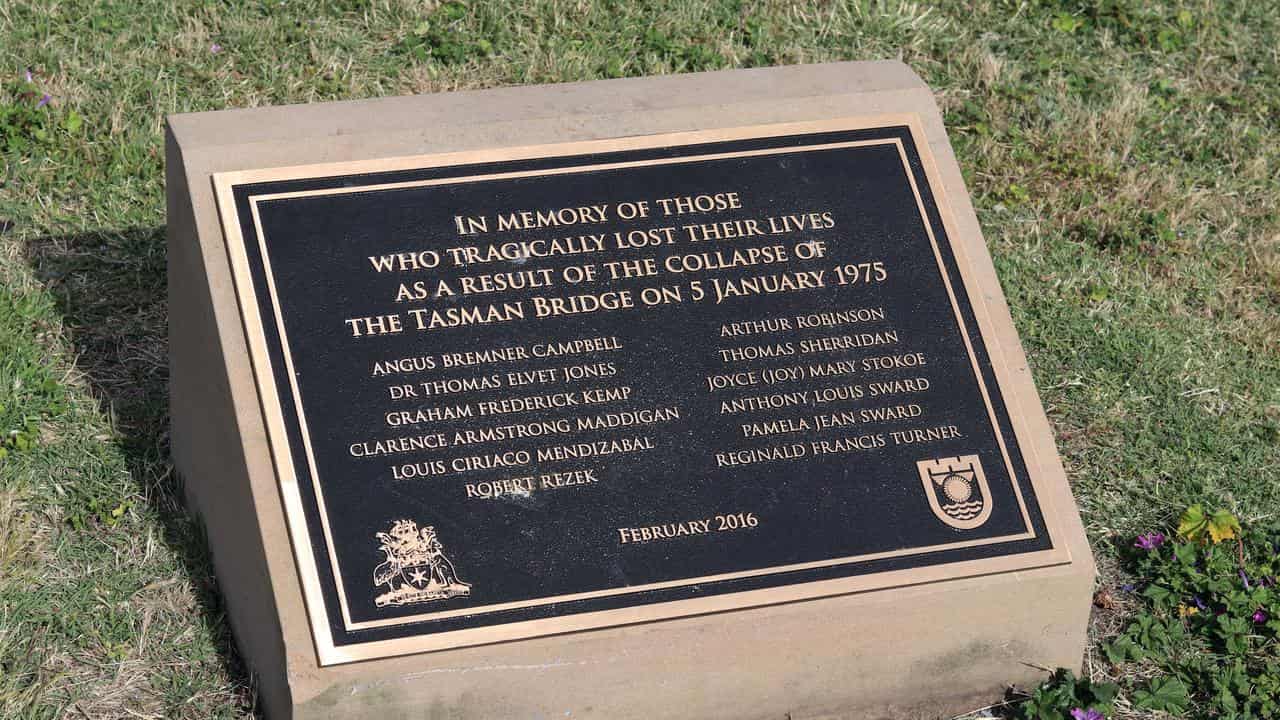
534, 392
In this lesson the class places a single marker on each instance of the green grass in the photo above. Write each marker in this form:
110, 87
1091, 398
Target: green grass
1123, 158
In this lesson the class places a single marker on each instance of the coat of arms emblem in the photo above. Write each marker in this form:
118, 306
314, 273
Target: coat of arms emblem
416, 569
957, 490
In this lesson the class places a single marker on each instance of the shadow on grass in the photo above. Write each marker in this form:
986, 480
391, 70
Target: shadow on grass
111, 290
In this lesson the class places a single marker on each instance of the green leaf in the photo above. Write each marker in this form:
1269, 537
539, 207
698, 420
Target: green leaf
1067, 23
1223, 526
1186, 554
72, 122
1159, 595
1234, 632
452, 10
1168, 694
1169, 40
1118, 650
1192, 524
1104, 694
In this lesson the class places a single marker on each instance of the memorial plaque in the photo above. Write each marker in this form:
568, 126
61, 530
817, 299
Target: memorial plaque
518, 392
607, 400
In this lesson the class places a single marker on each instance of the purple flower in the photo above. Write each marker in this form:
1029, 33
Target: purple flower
1199, 603
1090, 714
1128, 587
215, 48
44, 100
26, 74
1149, 541
1245, 579
1259, 616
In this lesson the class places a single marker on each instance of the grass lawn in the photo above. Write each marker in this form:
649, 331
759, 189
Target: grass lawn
1123, 157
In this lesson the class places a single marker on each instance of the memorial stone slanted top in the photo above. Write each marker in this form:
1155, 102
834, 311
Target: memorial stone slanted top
613, 399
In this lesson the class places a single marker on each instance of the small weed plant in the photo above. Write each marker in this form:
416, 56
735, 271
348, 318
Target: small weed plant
28, 118
1065, 696
1203, 643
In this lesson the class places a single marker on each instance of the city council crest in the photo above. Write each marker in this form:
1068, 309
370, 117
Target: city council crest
416, 569
957, 490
